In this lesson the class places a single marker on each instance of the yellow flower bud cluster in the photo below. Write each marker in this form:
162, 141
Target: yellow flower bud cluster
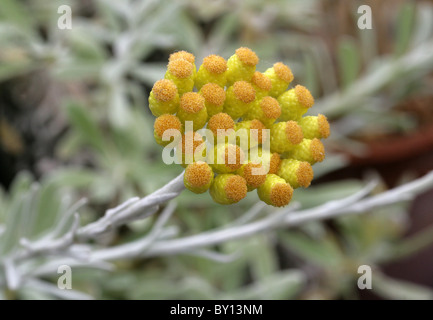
230, 96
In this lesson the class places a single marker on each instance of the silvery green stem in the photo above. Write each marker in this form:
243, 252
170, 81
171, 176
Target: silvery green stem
353, 204
133, 209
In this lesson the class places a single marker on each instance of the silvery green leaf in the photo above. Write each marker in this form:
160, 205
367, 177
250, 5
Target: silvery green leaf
391, 288
323, 252
349, 61
280, 286
404, 28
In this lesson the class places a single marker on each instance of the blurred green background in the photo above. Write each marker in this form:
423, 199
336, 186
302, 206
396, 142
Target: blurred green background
74, 119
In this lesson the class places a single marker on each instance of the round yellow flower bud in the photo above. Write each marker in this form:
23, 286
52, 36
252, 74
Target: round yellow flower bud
213, 70
275, 191
296, 173
239, 99
285, 135
198, 177
220, 121
241, 65
192, 108
315, 127
164, 123
163, 98
253, 173
228, 189
295, 103
262, 84
214, 97
267, 110
308, 150
281, 76
181, 72
184, 55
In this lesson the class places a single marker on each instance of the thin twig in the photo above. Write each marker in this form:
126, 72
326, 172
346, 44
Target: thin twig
349, 205
133, 209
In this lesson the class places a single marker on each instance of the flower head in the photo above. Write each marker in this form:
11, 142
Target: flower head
198, 177
308, 150
275, 191
213, 70
182, 55
296, 173
220, 121
281, 76
261, 139
192, 108
214, 97
261, 83
267, 110
315, 127
239, 99
285, 135
228, 188
295, 103
164, 123
181, 72
253, 173
163, 98
247, 56
241, 65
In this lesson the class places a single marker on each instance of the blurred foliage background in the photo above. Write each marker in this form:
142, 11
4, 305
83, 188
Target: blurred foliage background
74, 120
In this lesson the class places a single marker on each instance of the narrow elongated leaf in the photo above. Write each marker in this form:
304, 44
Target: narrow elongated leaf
349, 61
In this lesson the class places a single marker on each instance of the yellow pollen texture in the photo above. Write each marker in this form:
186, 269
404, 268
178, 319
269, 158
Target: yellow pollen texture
180, 68
317, 150
261, 81
213, 94
220, 121
165, 122
164, 90
294, 132
253, 178
283, 72
182, 55
236, 188
198, 174
247, 56
192, 102
274, 163
304, 96
244, 91
215, 64
281, 194
324, 127
271, 108
304, 174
